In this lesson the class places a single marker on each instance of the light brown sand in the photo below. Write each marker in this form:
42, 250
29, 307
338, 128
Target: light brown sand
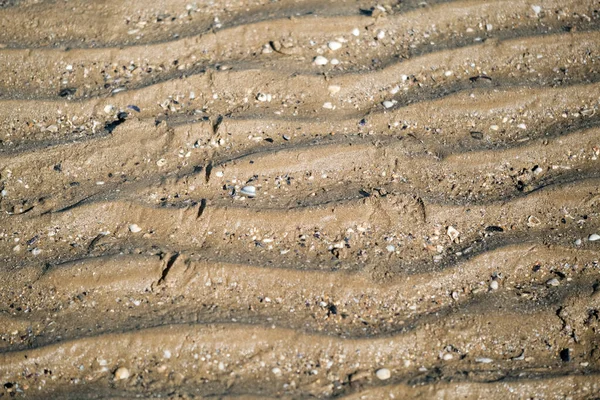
424, 206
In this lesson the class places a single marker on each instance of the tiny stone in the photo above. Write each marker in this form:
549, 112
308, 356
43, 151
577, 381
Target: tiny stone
276, 371
565, 355
335, 61
121, 373
553, 282
489, 27
134, 228
286, 137
593, 237
522, 126
219, 174
36, 251
455, 295
388, 104
578, 242
334, 89
320, 60
533, 221
333, 46
494, 127
494, 285
448, 73
108, 108
380, 34
383, 374
161, 162
536, 9
447, 357
328, 106
390, 248
483, 360
356, 32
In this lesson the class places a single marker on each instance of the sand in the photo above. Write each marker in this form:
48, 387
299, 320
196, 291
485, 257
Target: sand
300, 199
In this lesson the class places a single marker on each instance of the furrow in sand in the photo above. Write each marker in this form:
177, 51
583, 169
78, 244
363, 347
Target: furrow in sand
244, 44
223, 93
250, 352
425, 71
354, 228
264, 293
539, 110
181, 160
199, 21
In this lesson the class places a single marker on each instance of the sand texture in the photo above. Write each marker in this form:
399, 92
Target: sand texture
256, 199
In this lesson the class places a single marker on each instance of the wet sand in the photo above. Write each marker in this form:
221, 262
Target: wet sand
300, 199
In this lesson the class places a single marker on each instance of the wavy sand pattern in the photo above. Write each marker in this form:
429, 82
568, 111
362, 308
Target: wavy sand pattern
192, 207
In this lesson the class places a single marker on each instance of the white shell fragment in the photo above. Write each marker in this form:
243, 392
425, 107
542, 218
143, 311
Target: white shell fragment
122, 373
249, 191
134, 228
453, 234
333, 46
383, 374
320, 60
593, 237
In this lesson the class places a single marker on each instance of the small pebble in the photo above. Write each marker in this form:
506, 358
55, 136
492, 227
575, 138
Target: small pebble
219, 174
536, 9
134, 228
334, 89
593, 237
121, 373
36, 252
320, 60
455, 295
483, 360
553, 282
494, 285
328, 106
390, 248
380, 34
108, 108
578, 242
249, 191
522, 126
356, 32
276, 371
388, 104
383, 374
447, 357
335, 61
264, 97
333, 46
